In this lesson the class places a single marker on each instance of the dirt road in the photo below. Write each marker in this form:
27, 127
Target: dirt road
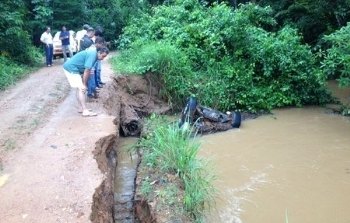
47, 170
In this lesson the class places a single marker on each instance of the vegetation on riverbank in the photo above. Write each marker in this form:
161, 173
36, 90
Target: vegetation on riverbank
256, 54
228, 59
173, 176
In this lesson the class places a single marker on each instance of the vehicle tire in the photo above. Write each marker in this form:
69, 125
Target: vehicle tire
236, 119
187, 113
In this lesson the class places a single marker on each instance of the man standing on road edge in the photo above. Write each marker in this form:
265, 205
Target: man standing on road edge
82, 63
65, 40
46, 39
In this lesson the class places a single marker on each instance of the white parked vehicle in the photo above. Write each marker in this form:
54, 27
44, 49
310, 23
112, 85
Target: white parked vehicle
57, 44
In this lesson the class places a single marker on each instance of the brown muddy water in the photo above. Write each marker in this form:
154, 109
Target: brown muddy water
343, 94
292, 166
124, 185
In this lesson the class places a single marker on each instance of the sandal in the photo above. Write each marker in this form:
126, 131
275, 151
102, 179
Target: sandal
89, 114
82, 111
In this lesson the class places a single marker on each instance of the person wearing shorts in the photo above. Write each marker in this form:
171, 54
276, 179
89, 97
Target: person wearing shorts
77, 71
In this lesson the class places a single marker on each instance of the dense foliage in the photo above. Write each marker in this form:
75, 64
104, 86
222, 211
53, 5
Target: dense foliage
337, 60
313, 18
214, 40
111, 16
15, 42
228, 59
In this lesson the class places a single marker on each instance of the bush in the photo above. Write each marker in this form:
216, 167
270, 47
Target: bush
9, 72
336, 64
159, 58
232, 59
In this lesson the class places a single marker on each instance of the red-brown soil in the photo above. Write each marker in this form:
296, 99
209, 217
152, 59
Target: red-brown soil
48, 171
55, 165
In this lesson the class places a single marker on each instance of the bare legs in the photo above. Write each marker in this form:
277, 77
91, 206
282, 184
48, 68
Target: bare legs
80, 93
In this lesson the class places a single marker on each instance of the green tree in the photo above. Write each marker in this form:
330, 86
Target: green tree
113, 15
14, 39
312, 18
42, 13
235, 60
72, 14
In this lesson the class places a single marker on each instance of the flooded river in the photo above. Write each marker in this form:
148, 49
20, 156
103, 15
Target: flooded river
292, 166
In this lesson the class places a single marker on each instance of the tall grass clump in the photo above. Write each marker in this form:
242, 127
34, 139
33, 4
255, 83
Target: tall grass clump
171, 150
169, 63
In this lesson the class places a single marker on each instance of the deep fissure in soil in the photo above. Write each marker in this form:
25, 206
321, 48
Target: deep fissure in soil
103, 198
128, 99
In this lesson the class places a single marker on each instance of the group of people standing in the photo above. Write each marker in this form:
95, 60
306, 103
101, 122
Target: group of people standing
47, 39
83, 70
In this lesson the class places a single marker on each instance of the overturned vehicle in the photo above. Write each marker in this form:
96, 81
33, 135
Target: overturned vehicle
207, 120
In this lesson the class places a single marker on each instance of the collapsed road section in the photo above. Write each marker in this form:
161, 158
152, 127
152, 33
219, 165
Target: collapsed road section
128, 99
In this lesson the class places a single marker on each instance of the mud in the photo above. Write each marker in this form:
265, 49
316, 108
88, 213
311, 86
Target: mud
135, 92
144, 211
103, 200
46, 146
128, 99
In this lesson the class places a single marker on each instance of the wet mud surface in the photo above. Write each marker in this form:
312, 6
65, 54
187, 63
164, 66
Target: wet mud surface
48, 172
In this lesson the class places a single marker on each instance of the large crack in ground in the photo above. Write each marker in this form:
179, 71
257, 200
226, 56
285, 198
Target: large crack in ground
128, 99
103, 198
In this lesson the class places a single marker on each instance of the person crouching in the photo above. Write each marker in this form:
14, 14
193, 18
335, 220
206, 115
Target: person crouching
77, 71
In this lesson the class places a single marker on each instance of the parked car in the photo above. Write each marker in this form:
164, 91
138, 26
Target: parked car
57, 44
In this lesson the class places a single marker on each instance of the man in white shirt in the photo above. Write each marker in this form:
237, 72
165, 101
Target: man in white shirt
80, 34
46, 39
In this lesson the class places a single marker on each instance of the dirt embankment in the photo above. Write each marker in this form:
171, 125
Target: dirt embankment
103, 199
48, 171
128, 99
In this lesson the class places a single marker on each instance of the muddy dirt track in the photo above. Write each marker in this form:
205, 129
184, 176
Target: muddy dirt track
47, 169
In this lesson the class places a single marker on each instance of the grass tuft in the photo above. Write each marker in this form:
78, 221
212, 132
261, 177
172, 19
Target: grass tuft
173, 151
